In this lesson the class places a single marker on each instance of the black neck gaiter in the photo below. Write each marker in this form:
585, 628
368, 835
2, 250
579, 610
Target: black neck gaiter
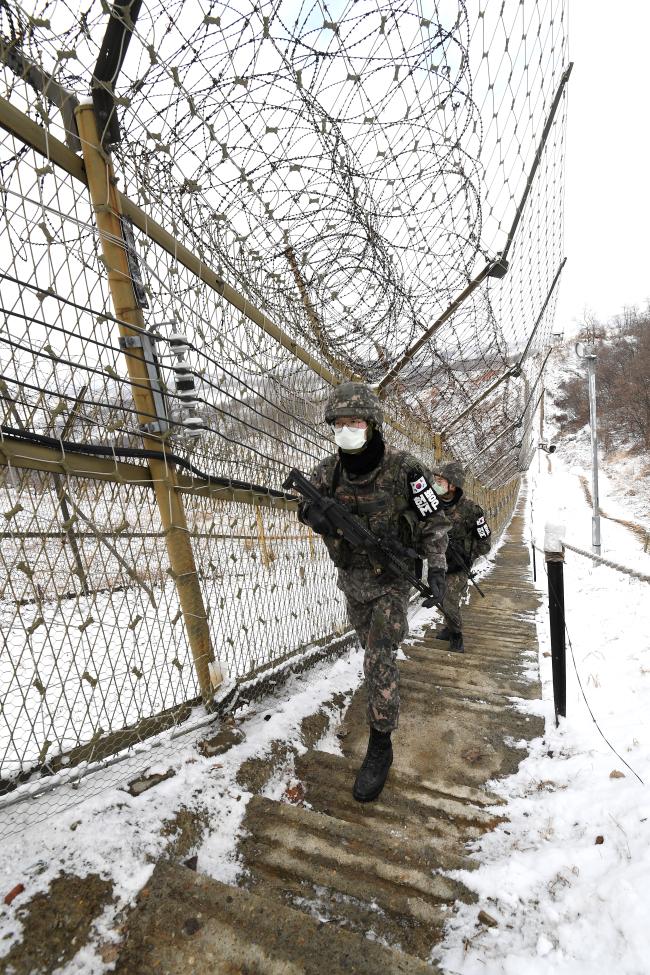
367, 459
453, 500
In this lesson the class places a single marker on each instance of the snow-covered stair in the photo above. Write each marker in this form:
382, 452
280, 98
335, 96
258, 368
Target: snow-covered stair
329, 885
379, 869
370, 880
188, 924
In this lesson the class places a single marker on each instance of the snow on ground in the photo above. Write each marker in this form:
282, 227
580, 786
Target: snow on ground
69, 676
566, 877
119, 836
623, 473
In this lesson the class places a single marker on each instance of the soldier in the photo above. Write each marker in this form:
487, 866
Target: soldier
391, 492
469, 537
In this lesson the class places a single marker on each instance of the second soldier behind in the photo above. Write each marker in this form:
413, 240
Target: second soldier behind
469, 537
390, 491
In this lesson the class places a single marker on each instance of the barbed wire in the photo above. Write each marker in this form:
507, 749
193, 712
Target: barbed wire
205, 122
350, 170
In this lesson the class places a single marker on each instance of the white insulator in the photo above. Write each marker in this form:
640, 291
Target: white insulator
193, 426
178, 342
185, 383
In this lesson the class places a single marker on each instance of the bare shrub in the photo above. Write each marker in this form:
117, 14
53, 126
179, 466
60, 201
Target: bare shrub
623, 381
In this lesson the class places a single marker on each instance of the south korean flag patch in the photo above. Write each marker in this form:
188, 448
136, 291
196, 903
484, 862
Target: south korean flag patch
419, 485
423, 498
482, 528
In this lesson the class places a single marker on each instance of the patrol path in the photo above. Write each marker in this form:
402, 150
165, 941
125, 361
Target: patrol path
375, 873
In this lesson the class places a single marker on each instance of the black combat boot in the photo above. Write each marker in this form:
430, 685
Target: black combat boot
456, 643
374, 768
443, 634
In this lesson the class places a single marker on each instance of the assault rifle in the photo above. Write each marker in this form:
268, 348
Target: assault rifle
460, 558
388, 554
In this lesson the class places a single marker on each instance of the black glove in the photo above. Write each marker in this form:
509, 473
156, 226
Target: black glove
437, 583
454, 564
314, 514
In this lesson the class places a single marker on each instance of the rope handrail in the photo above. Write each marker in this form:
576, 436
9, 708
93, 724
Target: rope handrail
634, 573
608, 562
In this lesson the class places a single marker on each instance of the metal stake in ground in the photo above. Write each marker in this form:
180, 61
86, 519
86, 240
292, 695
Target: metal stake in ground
554, 555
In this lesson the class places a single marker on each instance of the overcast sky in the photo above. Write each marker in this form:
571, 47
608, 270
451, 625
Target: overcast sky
608, 161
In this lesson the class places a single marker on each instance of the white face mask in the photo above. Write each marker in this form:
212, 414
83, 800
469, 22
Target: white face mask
350, 438
440, 488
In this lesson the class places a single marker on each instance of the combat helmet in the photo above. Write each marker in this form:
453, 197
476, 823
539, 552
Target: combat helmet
354, 399
453, 471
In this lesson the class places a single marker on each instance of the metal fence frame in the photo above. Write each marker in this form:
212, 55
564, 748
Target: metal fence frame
173, 487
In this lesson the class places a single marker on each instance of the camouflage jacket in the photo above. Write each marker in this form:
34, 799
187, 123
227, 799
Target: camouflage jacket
469, 533
384, 501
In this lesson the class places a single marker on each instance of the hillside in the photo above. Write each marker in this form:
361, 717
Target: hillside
624, 457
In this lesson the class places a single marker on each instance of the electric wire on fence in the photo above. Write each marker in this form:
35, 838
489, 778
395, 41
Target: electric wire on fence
133, 453
377, 195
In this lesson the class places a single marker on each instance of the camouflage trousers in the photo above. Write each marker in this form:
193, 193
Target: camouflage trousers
453, 598
381, 625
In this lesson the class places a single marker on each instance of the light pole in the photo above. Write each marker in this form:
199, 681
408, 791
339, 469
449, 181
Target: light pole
588, 353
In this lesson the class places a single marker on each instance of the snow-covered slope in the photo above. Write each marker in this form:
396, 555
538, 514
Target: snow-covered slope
567, 876
624, 474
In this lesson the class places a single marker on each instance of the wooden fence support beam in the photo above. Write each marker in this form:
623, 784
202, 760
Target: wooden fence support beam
103, 192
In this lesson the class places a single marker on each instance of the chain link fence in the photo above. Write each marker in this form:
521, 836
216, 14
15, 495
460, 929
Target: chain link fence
177, 303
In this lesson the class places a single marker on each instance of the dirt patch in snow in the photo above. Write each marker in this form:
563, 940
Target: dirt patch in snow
57, 923
638, 530
255, 773
186, 829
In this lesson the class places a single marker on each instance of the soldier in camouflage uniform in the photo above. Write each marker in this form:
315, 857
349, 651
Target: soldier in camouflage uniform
391, 492
469, 537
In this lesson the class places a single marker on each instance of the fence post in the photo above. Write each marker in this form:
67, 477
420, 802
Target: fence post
106, 206
437, 447
554, 555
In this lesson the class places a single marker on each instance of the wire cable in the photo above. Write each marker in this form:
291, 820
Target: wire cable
582, 690
133, 453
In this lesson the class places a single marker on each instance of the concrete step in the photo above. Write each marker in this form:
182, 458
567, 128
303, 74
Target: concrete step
469, 672
518, 625
414, 689
448, 734
436, 656
380, 885
188, 924
417, 810
506, 627
482, 644
418, 689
